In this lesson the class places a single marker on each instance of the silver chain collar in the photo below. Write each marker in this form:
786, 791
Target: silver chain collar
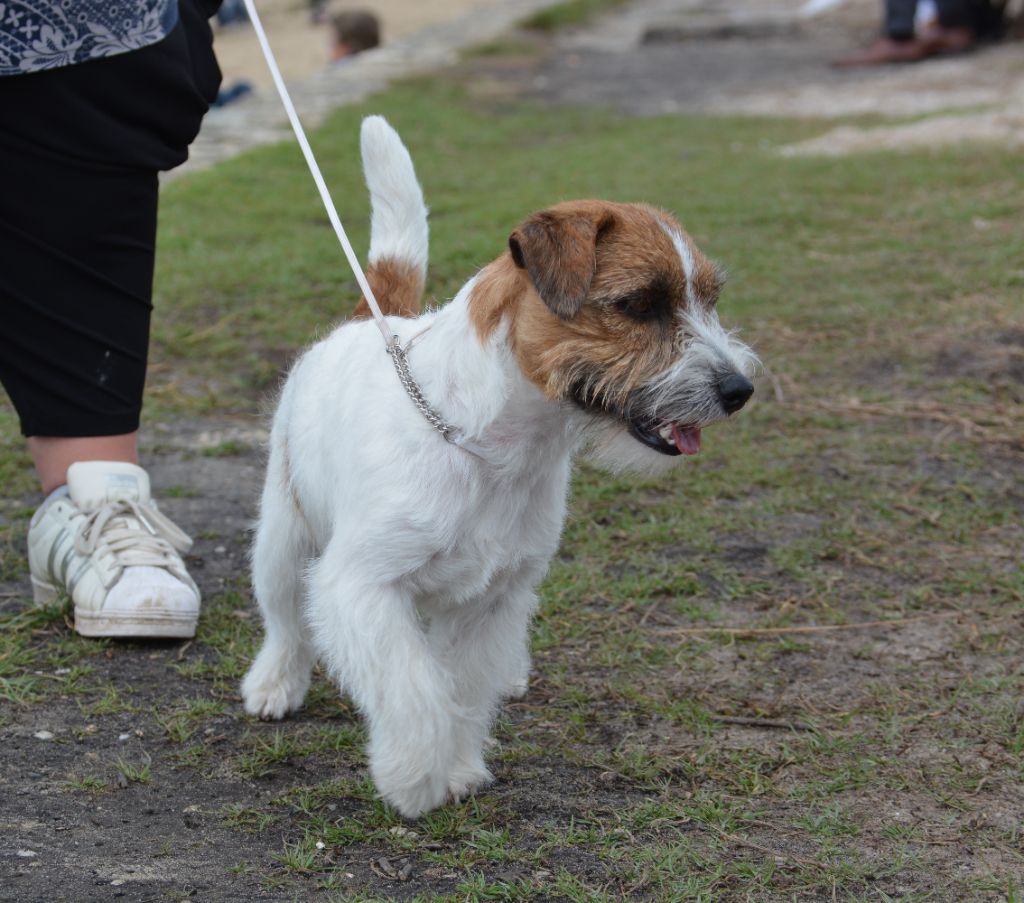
401, 362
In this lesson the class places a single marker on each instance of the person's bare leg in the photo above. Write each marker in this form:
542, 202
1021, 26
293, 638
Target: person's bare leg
53, 455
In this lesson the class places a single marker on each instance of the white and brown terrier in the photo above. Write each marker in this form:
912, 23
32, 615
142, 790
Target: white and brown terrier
407, 564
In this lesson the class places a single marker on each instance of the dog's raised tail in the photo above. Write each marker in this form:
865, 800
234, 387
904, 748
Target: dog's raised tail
398, 227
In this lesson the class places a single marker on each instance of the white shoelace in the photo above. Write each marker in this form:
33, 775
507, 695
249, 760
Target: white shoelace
155, 543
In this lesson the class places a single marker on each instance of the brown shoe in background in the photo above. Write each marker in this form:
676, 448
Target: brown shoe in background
937, 39
885, 51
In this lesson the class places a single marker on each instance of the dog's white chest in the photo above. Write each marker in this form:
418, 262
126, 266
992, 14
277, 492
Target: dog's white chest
496, 530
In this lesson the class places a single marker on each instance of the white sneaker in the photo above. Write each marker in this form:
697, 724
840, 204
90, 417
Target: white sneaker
108, 546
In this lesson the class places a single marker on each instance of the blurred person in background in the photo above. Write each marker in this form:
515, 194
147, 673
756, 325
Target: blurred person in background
352, 32
956, 28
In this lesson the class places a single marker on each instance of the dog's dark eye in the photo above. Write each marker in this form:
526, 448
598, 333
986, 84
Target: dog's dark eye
644, 305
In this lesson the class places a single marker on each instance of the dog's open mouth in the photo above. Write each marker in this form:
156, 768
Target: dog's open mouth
663, 436
667, 438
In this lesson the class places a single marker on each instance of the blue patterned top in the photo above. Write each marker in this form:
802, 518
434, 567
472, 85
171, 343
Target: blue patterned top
37, 35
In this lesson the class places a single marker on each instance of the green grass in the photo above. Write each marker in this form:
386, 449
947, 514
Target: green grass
877, 477
86, 784
132, 773
572, 12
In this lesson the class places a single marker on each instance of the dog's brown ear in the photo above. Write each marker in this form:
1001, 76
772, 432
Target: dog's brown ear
559, 252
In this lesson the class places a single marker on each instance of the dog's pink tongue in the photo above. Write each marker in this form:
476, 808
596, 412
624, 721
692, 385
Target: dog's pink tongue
686, 438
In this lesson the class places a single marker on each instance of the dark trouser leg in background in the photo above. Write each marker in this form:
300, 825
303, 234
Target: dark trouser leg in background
899, 19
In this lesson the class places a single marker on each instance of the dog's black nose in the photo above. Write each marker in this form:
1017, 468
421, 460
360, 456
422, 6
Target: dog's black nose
734, 389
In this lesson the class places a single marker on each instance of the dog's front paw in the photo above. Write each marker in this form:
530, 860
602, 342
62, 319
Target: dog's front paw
518, 688
519, 685
270, 694
270, 704
413, 796
466, 778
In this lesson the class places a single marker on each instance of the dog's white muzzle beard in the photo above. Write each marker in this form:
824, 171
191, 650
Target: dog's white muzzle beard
710, 381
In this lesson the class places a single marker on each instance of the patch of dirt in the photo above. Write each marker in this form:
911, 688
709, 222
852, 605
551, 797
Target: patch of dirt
140, 840
995, 358
983, 355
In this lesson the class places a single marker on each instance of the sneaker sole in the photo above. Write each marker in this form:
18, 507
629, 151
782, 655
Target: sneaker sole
97, 624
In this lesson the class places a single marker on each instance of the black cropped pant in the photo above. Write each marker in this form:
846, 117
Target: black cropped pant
80, 149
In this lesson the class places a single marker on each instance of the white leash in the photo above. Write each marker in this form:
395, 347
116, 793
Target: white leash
314, 170
450, 433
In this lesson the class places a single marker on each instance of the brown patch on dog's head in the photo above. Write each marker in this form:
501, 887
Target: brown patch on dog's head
558, 248
707, 281
496, 295
593, 293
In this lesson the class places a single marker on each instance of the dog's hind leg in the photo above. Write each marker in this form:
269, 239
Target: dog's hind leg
367, 631
279, 677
